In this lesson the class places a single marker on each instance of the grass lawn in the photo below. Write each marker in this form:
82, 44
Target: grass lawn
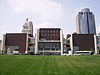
49, 65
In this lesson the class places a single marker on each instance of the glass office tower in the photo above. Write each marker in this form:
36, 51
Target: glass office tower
85, 22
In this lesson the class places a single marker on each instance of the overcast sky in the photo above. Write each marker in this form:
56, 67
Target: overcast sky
44, 13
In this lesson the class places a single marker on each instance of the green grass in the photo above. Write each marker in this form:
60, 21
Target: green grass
49, 65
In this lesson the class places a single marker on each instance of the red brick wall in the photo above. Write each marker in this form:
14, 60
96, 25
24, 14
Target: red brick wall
16, 39
49, 33
84, 41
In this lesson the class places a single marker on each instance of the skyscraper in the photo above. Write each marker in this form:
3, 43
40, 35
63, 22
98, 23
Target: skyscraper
85, 22
28, 27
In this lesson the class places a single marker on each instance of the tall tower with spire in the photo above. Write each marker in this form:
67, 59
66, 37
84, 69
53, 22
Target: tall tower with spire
28, 27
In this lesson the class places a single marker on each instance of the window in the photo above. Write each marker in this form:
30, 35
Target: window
25, 27
14, 48
90, 12
53, 34
56, 34
80, 13
41, 34
57, 31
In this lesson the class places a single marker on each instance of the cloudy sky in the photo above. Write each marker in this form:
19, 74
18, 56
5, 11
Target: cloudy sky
44, 13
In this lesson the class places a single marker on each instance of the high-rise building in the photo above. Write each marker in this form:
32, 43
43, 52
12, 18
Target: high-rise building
28, 27
85, 22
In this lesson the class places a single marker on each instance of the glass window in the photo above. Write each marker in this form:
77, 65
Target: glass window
57, 31
53, 34
25, 27
14, 48
56, 34
50, 34
41, 34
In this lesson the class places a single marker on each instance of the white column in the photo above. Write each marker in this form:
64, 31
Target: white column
36, 41
27, 43
61, 40
9, 50
95, 44
0, 47
71, 44
3, 43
